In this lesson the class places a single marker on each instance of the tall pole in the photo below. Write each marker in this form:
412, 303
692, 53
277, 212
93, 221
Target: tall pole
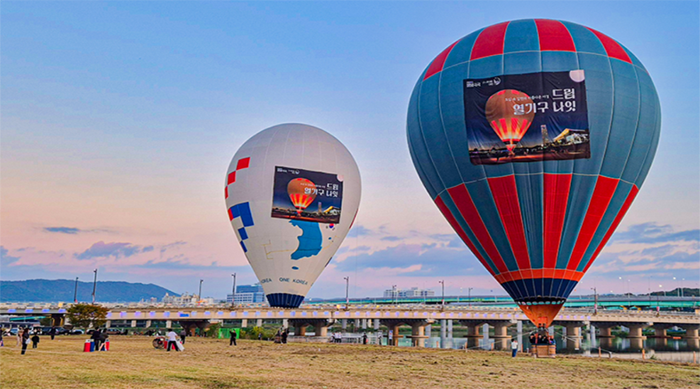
94, 287
233, 291
595, 300
347, 290
75, 293
199, 296
393, 294
470, 296
443, 293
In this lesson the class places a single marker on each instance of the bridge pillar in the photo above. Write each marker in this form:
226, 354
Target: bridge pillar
376, 323
605, 332
285, 323
168, 324
58, 320
635, 331
364, 324
443, 333
244, 323
300, 330
108, 324
691, 333
418, 334
395, 330
321, 329
449, 329
501, 337
133, 323
357, 325
428, 330
344, 324
573, 337
148, 323
485, 332
259, 323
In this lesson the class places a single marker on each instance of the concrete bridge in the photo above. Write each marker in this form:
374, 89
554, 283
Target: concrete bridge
420, 318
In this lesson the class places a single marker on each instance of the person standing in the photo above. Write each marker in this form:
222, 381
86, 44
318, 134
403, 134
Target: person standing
183, 335
285, 334
19, 337
52, 332
96, 338
2, 342
35, 340
391, 338
233, 338
364, 338
25, 340
514, 347
379, 338
172, 341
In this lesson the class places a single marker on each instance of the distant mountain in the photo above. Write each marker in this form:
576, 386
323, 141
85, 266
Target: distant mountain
63, 290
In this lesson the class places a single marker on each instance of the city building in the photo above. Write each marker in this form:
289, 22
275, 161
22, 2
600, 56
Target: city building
410, 293
186, 300
248, 294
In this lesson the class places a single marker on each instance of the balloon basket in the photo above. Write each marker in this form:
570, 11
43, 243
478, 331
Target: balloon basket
544, 351
89, 346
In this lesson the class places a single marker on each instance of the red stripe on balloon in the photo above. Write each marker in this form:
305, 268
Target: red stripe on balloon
602, 194
556, 197
439, 62
226, 192
613, 48
490, 41
613, 226
460, 231
505, 195
231, 178
460, 196
554, 36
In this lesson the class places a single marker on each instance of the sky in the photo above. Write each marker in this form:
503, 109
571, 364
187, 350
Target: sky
118, 121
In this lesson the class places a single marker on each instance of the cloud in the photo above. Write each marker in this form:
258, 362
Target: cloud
6, 259
358, 230
391, 238
63, 230
415, 259
654, 233
115, 250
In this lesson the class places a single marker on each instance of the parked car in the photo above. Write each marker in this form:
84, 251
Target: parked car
77, 332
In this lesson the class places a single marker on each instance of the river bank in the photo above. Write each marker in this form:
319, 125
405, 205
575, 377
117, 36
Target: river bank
211, 363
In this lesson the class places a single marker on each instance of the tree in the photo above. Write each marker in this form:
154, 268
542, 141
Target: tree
86, 315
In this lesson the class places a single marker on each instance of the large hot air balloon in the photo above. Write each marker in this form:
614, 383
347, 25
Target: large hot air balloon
536, 215
292, 193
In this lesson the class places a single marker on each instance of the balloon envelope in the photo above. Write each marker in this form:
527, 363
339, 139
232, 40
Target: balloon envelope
536, 215
292, 193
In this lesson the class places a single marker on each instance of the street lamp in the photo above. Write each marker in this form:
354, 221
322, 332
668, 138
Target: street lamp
233, 291
460, 295
595, 300
394, 296
470, 296
443, 293
94, 287
199, 296
347, 289
75, 293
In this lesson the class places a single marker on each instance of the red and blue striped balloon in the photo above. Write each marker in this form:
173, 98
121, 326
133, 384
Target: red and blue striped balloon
538, 216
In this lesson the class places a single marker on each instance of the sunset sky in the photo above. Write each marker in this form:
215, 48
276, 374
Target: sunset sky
120, 119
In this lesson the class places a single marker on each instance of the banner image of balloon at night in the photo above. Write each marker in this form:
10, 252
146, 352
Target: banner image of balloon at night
533, 138
292, 193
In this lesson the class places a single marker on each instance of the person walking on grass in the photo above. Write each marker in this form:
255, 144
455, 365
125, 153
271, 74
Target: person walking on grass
183, 335
19, 337
233, 338
172, 340
96, 338
514, 347
52, 332
25, 340
35, 340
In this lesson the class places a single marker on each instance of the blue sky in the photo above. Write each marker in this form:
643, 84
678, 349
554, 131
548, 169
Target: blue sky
119, 120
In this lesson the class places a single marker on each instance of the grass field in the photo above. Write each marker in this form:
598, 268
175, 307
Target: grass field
207, 363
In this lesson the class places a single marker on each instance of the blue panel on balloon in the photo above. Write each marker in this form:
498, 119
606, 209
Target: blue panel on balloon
284, 300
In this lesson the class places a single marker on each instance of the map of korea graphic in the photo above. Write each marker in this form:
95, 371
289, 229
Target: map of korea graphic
310, 240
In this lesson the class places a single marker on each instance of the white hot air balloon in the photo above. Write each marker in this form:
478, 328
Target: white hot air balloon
292, 193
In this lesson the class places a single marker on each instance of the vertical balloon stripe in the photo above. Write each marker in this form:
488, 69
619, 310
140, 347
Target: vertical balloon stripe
521, 35
455, 225
490, 41
554, 36
602, 194
439, 61
505, 195
613, 48
556, 197
460, 196
613, 227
